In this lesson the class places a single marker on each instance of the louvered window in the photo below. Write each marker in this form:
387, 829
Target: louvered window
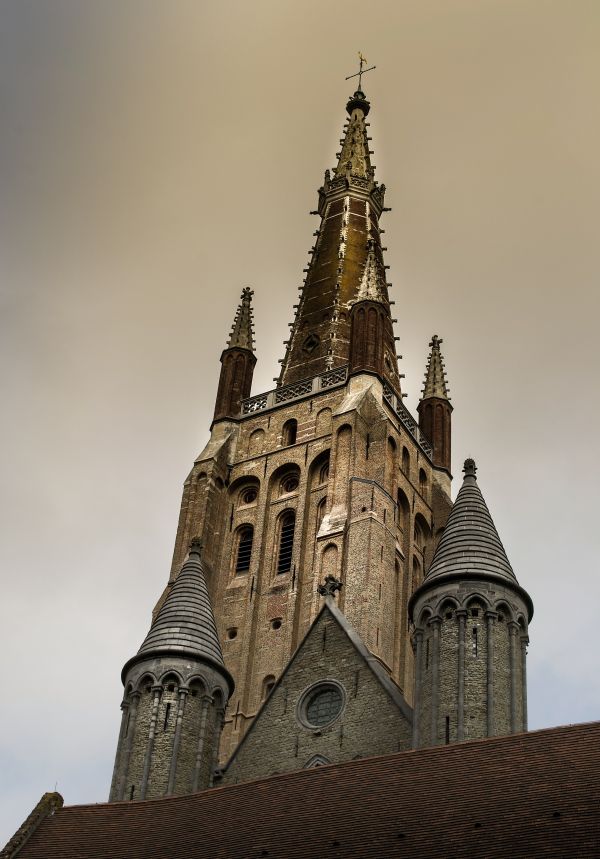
286, 542
244, 550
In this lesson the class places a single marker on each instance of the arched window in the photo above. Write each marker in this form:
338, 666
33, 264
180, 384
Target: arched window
321, 507
289, 482
287, 524
422, 481
288, 433
405, 460
324, 472
245, 536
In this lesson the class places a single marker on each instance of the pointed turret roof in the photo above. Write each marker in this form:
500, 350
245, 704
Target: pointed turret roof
354, 158
470, 545
185, 624
242, 331
371, 284
435, 375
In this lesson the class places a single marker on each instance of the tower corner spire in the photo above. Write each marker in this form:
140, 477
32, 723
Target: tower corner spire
435, 408
242, 330
435, 374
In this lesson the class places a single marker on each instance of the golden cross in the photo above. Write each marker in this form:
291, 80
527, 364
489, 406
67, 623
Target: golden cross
361, 71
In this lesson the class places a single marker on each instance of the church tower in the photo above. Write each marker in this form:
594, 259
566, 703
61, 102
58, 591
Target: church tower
176, 691
328, 474
470, 631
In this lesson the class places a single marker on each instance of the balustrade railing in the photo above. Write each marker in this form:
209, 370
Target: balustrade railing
333, 379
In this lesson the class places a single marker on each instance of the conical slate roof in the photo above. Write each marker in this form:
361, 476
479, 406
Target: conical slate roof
242, 335
185, 624
470, 545
435, 375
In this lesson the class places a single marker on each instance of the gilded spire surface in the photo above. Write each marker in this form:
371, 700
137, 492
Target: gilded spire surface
435, 375
470, 545
242, 331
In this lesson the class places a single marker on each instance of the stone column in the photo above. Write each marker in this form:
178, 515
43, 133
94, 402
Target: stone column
157, 690
121, 784
513, 629
176, 740
218, 728
460, 720
489, 617
435, 677
524, 643
418, 643
119, 755
206, 702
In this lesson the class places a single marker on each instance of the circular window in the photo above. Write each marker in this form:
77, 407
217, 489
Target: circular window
289, 484
248, 496
321, 704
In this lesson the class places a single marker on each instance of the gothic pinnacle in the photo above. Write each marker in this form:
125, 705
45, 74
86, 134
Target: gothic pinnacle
435, 375
370, 288
242, 333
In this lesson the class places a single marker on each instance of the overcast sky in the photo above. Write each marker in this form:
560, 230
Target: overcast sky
156, 157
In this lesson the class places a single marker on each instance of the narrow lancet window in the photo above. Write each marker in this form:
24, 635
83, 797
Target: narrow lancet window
286, 542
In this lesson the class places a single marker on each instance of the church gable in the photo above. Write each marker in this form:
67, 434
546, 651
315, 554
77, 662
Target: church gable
334, 702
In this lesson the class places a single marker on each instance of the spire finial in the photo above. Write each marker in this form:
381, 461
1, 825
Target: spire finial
362, 61
435, 375
242, 332
195, 546
470, 468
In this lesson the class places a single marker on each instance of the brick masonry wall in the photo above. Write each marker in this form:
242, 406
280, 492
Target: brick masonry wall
370, 724
352, 426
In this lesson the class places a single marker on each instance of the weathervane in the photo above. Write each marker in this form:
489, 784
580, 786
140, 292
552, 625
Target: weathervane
361, 71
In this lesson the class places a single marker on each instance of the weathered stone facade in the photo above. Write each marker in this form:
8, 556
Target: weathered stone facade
374, 719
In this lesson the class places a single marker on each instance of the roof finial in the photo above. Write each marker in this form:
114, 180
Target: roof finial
361, 71
242, 333
470, 468
435, 375
195, 546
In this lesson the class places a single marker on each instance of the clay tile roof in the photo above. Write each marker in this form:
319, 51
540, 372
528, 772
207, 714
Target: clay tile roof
185, 623
522, 796
470, 544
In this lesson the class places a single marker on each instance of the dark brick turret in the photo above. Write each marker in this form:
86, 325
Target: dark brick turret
435, 409
237, 362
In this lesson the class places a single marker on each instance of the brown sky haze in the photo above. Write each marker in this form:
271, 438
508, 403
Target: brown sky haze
157, 157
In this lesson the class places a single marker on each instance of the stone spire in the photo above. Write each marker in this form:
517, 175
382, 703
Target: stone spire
237, 362
470, 545
185, 624
372, 285
242, 331
435, 410
471, 621
354, 156
347, 256
435, 375
176, 691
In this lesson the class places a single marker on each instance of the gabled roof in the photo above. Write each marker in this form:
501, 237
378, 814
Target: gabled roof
330, 607
520, 796
185, 624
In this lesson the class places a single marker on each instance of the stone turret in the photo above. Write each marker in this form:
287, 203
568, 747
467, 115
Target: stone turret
470, 634
176, 691
435, 409
237, 362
